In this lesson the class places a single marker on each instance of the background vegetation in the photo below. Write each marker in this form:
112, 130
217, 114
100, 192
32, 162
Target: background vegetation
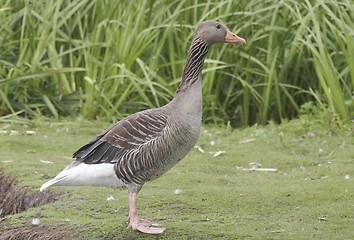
107, 59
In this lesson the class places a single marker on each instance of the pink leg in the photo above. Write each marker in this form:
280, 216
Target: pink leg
137, 223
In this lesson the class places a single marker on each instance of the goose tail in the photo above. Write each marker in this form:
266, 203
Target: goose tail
81, 174
52, 182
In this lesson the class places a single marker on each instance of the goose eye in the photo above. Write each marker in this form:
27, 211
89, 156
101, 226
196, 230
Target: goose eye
218, 26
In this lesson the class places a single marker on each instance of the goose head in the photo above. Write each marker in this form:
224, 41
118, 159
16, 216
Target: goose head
212, 32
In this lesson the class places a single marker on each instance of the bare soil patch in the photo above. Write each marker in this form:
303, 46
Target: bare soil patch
32, 232
15, 199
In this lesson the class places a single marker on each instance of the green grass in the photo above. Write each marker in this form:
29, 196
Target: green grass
108, 59
310, 197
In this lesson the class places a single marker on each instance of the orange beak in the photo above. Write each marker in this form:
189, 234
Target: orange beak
232, 38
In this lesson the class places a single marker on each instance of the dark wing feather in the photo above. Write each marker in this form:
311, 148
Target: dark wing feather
124, 136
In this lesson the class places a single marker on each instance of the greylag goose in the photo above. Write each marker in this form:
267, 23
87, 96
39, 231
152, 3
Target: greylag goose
143, 146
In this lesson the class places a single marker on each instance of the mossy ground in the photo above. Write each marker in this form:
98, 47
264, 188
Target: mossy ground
203, 197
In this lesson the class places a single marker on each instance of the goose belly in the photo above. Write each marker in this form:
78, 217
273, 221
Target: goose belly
182, 139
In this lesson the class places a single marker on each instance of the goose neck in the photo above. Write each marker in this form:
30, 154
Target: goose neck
194, 64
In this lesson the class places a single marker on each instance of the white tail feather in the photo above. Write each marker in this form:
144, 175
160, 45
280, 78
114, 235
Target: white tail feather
81, 174
50, 183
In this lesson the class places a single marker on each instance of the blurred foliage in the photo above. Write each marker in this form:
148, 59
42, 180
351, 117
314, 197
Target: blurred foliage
108, 59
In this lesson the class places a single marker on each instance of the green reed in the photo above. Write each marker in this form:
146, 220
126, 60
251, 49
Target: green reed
108, 59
